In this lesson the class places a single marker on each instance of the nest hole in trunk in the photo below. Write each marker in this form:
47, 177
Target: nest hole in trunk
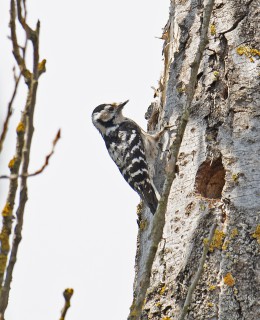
210, 179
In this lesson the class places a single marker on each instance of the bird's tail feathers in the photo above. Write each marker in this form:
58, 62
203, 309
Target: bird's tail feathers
151, 199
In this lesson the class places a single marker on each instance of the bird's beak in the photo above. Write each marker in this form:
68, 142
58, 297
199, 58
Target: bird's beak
120, 106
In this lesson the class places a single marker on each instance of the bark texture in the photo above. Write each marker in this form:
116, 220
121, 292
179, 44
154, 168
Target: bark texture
219, 164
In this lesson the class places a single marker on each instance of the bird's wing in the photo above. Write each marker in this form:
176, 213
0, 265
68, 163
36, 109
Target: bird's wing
126, 148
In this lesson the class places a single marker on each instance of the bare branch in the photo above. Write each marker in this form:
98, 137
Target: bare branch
47, 159
7, 212
32, 35
21, 159
158, 221
30, 104
22, 19
67, 294
10, 104
56, 139
9, 113
198, 273
16, 52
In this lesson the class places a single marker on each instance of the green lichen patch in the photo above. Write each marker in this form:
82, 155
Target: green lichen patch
212, 29
235, 177
181, 89
216, 74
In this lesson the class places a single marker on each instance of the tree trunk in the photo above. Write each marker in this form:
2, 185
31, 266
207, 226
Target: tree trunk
219, 161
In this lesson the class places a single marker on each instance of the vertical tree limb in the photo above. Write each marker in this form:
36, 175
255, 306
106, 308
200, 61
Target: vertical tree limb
158, 221
21, 160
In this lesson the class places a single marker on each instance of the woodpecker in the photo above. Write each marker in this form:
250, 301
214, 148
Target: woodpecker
132, 149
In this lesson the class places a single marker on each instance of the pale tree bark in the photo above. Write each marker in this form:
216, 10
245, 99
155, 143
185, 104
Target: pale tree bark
215, 195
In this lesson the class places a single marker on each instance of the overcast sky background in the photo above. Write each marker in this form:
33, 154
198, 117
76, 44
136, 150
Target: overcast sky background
80, 222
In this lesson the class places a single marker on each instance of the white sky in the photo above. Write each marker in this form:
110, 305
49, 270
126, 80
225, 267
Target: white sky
80, 221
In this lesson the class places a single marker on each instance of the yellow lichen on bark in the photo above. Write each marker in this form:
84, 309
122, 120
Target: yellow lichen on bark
217, 240
41, 66
7, 211
206, 241
20, 128
212, 287
3, 260
4, 238
256, 234
225, 245
234, 233
12, 163
248, 52
229, 280
162, 290
143, 224
139, 208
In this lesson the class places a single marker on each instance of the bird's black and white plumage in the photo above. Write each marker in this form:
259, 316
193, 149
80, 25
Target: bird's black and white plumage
129, 147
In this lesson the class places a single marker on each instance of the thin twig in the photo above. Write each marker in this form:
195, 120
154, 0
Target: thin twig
32, 35
56, 139
10, 104
37, 172
9, 113
16, 50
158, 221
198, 273
67, 294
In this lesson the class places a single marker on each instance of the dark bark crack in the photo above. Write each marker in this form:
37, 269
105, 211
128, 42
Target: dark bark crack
239, 19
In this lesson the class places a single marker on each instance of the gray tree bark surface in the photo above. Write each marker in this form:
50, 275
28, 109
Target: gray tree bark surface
219, 168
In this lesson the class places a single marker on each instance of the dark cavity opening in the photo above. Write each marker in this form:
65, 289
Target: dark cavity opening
210, 179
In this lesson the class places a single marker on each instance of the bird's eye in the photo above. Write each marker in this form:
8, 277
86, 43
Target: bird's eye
110, 109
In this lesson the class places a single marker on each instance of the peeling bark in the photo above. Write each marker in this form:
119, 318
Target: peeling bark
218, 164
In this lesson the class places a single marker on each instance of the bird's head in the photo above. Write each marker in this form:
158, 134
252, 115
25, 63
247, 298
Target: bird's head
106, 116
